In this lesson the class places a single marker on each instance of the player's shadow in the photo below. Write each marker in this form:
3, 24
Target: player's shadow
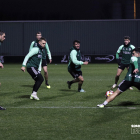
24, 96
127, 103
58, 96
96, 96
31, 86
68, 90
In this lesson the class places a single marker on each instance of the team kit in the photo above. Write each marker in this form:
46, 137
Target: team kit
36, 59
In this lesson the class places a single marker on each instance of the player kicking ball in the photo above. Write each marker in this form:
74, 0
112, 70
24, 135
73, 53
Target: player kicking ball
74, 66
132, 78
33, 61
126, 50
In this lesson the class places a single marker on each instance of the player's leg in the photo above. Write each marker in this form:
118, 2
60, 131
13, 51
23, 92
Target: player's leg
36, 75
123, 86
119, 71
74, 75
137, 85
46, 77
81, 80
44, 66
71, 82
127, 69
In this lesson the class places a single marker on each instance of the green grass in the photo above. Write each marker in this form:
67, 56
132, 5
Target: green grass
63, 114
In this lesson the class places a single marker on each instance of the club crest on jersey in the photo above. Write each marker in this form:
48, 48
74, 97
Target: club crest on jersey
35, 44
129, 49
39, 56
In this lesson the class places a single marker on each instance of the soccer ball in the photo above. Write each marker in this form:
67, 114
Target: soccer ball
108, 93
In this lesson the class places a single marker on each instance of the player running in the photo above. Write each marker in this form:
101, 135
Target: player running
126, 50
74, 66
33, 61
2, 38
44, 62
132, 78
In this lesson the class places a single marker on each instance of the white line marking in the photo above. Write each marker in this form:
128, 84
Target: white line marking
80, 107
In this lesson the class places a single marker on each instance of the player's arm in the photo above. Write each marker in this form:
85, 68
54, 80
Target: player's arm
31, 46
134, 61
133, 47
30, 54
1, 65
74, 58
48, 52
117, 54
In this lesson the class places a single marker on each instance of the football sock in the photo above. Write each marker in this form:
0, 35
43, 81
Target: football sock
105, 103
116, 79
79, 89
38, 82
47, 82
71, 82
80, 85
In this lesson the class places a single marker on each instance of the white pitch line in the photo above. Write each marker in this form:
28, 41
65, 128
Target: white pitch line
80, 107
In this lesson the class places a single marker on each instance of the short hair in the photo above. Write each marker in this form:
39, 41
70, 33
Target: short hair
1, 32
42, 38
38, 33
127, 37
137, 50
76, 41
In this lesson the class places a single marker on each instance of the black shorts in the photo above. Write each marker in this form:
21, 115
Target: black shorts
75, 74
44, 62
34, 72
124, 85
123, 66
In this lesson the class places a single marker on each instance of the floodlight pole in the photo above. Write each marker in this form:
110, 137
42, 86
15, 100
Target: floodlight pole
134, 9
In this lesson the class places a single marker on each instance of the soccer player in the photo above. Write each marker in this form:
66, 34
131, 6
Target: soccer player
74, 66
126, 50
2, 38
44, 62
33, 61
132, 78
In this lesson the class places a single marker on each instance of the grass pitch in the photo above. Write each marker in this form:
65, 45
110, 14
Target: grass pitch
63, 114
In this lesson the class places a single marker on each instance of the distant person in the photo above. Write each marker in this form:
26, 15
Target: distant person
44, 62
33, 62
2, 38
126, 50
74, 66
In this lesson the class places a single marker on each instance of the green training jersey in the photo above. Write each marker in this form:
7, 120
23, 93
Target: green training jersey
75, 60
126, 53
34, 44
34, 58
134, 64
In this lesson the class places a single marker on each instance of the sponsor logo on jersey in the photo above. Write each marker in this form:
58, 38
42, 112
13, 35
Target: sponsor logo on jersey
125, 52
